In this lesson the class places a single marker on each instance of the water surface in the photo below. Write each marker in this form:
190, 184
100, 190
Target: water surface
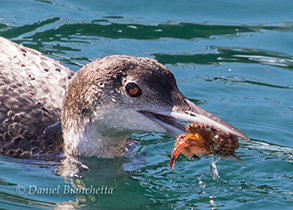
233, 58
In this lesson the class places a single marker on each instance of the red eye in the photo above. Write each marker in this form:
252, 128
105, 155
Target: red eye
133, 89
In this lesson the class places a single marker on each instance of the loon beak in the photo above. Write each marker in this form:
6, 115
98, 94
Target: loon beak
185, 110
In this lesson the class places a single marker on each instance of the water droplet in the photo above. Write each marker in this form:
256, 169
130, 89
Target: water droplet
213, 169
201, 184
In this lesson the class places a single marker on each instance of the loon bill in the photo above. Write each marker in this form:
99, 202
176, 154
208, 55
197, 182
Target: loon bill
99, 106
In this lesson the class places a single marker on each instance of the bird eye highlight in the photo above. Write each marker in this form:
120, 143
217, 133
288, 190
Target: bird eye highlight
133, 89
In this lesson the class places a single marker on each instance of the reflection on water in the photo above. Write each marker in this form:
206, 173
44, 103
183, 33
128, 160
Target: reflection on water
283, 62
230, 55
107, 27
155, 184
103, 184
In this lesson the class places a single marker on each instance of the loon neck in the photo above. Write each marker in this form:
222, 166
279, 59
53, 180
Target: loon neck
87, 141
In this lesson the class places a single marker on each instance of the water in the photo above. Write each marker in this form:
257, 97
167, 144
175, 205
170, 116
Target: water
233, 58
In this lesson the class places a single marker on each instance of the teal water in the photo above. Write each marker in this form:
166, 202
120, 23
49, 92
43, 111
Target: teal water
233, 58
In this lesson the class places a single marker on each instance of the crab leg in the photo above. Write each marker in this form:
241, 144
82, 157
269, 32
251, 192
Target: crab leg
175, 153
178, 147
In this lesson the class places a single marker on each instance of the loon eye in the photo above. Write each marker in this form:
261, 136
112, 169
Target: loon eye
133, 89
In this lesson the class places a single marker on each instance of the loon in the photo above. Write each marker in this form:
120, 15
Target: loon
46, 108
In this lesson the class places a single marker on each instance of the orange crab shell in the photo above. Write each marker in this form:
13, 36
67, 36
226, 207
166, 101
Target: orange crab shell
189, 145
204, 140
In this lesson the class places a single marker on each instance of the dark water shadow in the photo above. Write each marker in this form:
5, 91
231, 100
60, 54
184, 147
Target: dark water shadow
107, 28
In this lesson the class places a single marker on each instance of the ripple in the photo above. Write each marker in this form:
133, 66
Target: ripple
10, 201
271, 150
237, 80
106, 27
229, 55
283, 62
12, 32
147, 32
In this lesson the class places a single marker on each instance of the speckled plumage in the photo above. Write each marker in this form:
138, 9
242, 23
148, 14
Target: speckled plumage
31, 92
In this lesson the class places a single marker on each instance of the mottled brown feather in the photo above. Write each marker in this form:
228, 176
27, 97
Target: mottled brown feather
31, 91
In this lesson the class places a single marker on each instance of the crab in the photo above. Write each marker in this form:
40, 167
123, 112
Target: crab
202, 139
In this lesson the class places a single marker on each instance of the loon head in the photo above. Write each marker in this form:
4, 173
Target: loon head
115, 96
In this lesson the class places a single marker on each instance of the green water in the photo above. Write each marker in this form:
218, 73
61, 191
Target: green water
233, 58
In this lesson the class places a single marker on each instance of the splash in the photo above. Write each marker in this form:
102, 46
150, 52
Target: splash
213, 168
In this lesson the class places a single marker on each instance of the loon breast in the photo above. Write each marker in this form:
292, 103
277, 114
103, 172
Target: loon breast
31, 92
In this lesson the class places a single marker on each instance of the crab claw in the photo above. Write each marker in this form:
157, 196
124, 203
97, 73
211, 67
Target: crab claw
172, 161
185, 144
175, 153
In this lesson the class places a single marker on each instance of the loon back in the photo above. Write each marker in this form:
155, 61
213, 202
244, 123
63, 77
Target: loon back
31, 92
